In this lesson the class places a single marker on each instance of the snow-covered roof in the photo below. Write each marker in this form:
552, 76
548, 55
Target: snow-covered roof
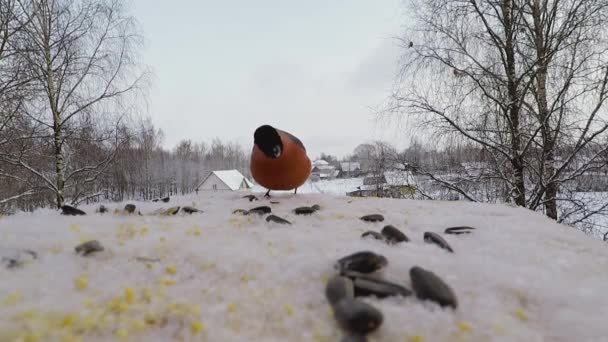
319, 162
232, 178
325, 167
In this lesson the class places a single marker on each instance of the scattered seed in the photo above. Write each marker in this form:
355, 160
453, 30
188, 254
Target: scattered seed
372, 218
260, 210
357, 317
394, 235
190, 210
69, 210
367, 286
364, 262
338, 288
459, 230
251, 198
277, 219
304, 210
428, 286
373, 234
11, 262
430, 237
89, 247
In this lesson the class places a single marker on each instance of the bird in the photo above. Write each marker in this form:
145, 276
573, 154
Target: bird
278, 160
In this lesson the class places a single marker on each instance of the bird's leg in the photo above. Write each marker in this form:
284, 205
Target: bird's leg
295, 191
267, 194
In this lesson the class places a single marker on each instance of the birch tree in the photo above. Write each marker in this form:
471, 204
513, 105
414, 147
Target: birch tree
82, 57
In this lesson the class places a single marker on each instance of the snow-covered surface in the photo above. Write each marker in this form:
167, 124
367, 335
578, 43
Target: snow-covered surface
336, 187
233, 179
224, 277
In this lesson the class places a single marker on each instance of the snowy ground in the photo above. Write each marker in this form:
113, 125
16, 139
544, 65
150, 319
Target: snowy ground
336, 187
224, 277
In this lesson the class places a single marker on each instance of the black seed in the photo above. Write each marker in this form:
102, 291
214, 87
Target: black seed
69, 210
430, 237
32, 253
352, 275
356, 316
304, 211
11, 262
166, 199
260, 210
190, 210
394, 235
274, 202
367, 286
364, 262
338, 288
130, 208
373, 218
459, 230
241, 211
251, 198
89, 247
373, 234
276, 219
20, 258
428, 286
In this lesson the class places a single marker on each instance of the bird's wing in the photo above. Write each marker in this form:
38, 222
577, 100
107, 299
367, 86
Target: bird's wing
293, 138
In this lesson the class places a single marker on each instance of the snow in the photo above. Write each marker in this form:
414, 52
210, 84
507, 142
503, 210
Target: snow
336, 187
232, 178
224, 277
320, 162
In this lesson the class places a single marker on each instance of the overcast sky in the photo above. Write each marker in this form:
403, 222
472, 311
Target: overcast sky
313, 68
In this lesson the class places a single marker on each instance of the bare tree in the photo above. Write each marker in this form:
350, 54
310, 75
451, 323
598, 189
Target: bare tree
14, 86
82, 59
522, 80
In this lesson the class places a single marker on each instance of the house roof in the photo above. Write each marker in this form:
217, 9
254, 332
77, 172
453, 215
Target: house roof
320, 162
232, 178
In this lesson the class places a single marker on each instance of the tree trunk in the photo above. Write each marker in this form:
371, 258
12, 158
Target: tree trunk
548, 136
514, 108
57, 124
59, 166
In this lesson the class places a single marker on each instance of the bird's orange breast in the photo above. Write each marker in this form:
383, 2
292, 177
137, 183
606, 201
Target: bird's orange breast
287, 172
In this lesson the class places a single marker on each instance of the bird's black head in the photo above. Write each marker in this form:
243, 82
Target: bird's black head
268, 141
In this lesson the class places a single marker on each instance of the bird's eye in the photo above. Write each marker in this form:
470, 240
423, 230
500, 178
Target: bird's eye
276, 151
